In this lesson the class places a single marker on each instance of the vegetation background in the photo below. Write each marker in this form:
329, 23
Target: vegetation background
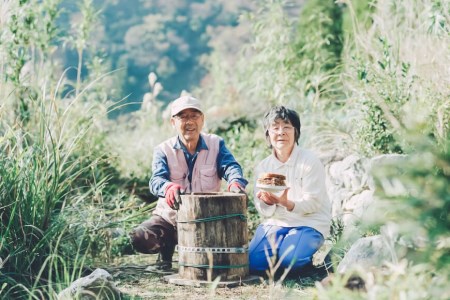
84, 86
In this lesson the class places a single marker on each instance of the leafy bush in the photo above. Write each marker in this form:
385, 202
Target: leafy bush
417, 192
247, 143
318, 46
387, 76
402, 98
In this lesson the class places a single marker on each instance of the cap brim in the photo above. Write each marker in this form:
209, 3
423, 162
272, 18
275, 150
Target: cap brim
176, 112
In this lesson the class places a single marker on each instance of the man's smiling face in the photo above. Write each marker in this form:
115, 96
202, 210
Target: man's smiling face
189, 124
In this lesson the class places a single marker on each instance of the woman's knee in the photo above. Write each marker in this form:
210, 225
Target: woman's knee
258, 262
295, 262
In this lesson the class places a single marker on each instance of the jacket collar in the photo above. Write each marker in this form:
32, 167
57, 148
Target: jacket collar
201, 145
290, 162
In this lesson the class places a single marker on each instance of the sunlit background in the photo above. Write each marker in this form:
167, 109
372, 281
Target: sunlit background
84, 88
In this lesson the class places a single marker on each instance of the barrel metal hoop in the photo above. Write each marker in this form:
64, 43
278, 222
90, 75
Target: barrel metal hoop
215, 218
212, 249
213, 266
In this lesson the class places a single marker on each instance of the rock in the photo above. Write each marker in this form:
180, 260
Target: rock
355, 207
365, 253
334, 171
396, 160
350, 166
337, 196
348, 186
98, 285
319, 256
388, 159
330, 156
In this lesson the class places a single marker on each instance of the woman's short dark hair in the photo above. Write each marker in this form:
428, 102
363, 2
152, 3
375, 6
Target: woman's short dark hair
280, 112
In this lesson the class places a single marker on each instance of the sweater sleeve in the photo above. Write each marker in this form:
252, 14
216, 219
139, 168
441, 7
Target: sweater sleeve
227, 166
312, 186
160, 173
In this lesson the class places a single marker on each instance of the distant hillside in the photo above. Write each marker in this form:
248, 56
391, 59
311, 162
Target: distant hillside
166, 37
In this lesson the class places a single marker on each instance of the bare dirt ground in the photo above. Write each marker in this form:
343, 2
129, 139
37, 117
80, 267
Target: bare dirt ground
135, 282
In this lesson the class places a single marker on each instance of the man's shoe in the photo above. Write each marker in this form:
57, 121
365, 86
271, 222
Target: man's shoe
161, 267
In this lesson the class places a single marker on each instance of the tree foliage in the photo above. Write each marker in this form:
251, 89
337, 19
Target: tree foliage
319, 43
168, 38
70, 172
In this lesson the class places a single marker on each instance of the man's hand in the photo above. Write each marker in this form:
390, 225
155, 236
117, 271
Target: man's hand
235, 187
173, 198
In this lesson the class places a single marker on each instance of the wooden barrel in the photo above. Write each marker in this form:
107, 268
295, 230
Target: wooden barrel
212, 237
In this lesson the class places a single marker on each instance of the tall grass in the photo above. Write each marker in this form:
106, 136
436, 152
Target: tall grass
397, 69
40, 168
58, 208
54, 162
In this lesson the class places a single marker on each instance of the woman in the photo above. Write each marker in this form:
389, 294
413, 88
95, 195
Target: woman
298, 220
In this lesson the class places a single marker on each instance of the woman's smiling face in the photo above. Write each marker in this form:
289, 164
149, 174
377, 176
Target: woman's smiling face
282, 135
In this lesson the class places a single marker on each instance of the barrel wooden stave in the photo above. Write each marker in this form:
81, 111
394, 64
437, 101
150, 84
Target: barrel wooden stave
224, 233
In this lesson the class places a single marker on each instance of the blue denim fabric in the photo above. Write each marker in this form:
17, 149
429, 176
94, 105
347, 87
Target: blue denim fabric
294, 246
227, 166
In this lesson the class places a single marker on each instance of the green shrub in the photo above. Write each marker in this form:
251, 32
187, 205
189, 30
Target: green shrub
391, 79
247, 143
318, 45
417, 192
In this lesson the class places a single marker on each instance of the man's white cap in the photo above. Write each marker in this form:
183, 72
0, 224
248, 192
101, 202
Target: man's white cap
184, 102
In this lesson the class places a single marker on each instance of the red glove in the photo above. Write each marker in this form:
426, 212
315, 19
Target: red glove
173, 198
235, 187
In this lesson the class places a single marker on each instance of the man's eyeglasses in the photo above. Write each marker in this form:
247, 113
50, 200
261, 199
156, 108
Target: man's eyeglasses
185, 117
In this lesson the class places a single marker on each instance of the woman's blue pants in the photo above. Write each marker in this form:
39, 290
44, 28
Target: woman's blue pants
291, 246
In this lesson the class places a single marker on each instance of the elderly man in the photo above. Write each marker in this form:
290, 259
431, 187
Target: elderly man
190, 162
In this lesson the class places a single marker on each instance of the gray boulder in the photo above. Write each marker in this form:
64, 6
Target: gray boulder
96, 286
367, 252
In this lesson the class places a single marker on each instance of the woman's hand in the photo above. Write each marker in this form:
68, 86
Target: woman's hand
271, 199
266, 197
